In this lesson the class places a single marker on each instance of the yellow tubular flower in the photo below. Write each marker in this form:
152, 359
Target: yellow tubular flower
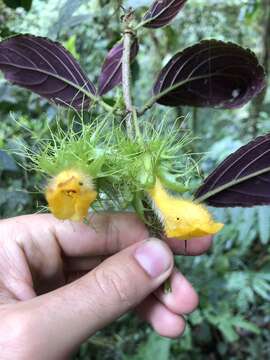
70, 195
182, 219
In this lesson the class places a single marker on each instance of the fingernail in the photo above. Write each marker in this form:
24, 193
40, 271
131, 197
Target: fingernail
153, 257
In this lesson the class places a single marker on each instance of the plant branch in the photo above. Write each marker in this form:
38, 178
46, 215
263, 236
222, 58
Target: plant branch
126, 78
142, 23
126, 71
105, 106
131, 119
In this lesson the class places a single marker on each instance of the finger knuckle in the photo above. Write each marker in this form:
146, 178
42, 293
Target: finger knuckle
112, 240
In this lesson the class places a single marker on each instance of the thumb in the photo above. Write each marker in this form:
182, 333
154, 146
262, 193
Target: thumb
69, 315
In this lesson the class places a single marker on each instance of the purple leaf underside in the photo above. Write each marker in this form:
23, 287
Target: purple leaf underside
210, 74
111, 73
243, 179
162, 12
47, 69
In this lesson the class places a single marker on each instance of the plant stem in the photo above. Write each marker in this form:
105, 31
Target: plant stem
126, 78
106, 106
131, 118
147, 106
126, 72
136, 125
142, 23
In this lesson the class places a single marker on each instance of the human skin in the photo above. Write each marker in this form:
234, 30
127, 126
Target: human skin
61, 281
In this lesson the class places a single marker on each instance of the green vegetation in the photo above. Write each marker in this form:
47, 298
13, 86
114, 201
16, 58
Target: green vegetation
233, 280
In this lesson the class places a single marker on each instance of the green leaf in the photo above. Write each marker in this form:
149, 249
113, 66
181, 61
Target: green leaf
156, 348
264, 223
7, 163
196, 317
226, 328
237, 280
186, 340
247, 226
3, 197
246, 325
264, 275
261, 291
70, 45
12, 202
65, 15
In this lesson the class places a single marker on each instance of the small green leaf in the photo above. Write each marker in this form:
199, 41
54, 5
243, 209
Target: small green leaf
246, 325
264, 223
156, 348
70, 45
196, 318
226, 328
7, 163
261, 291
248, 219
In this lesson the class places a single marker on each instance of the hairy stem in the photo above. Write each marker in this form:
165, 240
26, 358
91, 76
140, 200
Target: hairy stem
105, 106
126, 79
147, 106
126, 72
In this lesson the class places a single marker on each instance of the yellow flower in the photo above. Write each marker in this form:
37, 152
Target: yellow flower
70, 195
182, 219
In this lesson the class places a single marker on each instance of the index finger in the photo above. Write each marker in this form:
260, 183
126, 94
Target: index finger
111, 232
105, 234
196, 246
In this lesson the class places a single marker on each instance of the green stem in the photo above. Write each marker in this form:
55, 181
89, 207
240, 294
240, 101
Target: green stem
141, 24
106, 106
136, 126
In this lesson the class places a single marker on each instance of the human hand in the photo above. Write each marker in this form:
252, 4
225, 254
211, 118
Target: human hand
62, 281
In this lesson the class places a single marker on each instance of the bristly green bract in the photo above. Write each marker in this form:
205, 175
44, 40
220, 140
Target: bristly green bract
121, 167
84, 149
157, 153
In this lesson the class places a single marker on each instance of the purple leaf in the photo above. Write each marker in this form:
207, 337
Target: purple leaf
111, 73
46, 68
243, 179
210, 74
162, 12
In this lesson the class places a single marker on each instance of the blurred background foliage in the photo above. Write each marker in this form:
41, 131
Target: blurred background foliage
233, 280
